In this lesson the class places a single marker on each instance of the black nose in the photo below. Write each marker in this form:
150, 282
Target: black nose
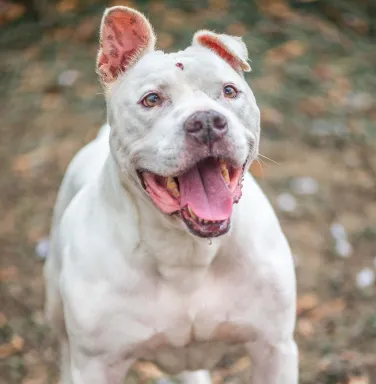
206, 127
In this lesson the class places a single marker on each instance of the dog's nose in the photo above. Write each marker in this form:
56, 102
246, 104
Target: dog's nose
206, 127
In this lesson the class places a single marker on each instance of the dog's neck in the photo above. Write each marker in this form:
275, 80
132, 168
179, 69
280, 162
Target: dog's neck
180, 257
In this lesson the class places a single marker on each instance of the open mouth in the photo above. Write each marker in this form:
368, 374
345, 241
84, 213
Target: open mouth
203, 195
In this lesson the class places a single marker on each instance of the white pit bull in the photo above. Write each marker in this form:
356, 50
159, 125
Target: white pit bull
154, 253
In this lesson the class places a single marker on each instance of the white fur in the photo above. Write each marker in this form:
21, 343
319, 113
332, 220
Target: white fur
126, 282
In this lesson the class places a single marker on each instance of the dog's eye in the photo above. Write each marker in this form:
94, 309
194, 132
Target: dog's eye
151, 100
230, 91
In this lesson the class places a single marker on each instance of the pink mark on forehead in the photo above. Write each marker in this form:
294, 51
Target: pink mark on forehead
180, 65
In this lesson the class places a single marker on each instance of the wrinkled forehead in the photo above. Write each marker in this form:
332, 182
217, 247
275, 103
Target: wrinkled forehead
195, 66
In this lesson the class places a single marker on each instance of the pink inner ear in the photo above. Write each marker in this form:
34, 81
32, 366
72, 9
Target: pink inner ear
214, 44
123, 36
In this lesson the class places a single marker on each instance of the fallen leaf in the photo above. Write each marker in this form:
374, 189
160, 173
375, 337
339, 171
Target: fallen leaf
11, 12
356, 23
16, 345
237, 29
257, 169
271, 117
271, 83
165, 40
328, 309
313, 106
358, 380
126, 3
87, 29
24, 165
3, 320
306, 303
305, 328
174, 18
157, 6
8, 273
66, 6
279, 9
286, 51
219, 4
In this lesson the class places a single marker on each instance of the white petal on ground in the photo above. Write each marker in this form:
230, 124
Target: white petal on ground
41, 249
68, 78
286, 202
365, 278
338, 231
305, 185
343, 248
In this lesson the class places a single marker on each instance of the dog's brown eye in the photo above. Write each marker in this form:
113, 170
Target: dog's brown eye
230, 91
151, 100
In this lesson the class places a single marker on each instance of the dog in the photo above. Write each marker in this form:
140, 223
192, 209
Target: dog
163, 246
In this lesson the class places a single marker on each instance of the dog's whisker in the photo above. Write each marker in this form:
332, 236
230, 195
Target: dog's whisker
268, 158
262, 169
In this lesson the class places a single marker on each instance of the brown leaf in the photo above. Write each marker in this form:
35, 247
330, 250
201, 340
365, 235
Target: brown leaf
16, 345
278, 9
219, 4
86, 29
306, 303
52, 101
11, 12
328, 309
66, 6
358, 380
27, 164
313, 106
305, 328
257, 169
271, 117
165, 40
174, 18
237, 29
286, 51
126, 3
3, 320
157, 6
270, 83
356, 23
8, 273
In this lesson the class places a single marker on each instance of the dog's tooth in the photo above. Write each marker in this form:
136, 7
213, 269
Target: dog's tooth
173, 187
192, 213
224, 171
171, 183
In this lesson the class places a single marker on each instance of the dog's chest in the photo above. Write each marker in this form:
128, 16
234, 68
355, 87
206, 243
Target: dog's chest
194, 330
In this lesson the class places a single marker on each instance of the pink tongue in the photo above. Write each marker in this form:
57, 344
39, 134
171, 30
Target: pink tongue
205, 191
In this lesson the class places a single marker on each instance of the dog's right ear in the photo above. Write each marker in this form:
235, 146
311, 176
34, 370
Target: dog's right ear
125, 36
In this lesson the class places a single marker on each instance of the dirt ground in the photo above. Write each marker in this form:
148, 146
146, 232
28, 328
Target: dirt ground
314, 76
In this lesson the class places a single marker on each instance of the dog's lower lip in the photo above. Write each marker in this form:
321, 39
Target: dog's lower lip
204, 228
165, 193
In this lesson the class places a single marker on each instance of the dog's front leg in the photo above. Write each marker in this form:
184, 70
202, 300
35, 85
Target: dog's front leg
87, 368
274, 363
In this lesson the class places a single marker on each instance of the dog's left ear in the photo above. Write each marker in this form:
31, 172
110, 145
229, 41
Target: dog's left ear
125, 36
229, 48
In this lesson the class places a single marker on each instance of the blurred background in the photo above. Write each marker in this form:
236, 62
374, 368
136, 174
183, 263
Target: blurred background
314, 76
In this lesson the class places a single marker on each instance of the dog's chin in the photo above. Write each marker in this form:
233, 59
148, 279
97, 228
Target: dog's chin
201, 196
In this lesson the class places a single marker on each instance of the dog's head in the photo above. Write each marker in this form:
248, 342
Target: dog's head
184, 126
